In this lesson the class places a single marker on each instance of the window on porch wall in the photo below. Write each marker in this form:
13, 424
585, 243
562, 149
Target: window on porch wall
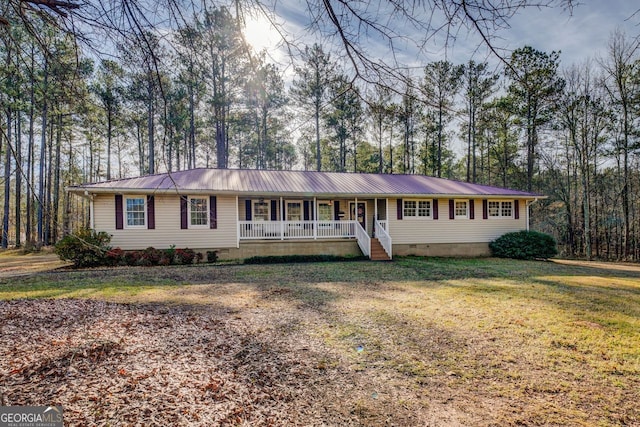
294, 211
261, 210
325, 211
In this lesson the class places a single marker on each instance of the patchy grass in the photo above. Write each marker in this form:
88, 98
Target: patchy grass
413, 342
13, 262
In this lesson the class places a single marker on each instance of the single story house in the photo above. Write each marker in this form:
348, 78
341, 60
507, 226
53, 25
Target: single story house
242, 213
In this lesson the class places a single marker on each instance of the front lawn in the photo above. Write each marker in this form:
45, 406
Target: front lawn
412, 342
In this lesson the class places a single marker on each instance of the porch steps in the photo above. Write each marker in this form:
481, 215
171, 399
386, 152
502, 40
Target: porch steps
377, 251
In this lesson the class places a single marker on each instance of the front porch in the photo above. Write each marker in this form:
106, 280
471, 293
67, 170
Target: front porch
282, 219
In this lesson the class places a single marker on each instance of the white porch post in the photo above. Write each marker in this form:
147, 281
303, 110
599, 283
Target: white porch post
315, 218
375, 208
386, 216
355, 211
281, 219
237, 224
375, 215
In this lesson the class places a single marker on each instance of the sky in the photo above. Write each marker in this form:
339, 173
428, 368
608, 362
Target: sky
580, 34
583, 34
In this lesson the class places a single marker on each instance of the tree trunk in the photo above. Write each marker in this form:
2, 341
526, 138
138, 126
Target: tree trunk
48, 203
41, 169
7, 183
151, 127
56, 183
318, 151
109, 131
19, 174
192, 131
30, 155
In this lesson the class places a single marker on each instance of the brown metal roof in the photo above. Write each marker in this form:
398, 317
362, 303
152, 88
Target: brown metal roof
295, 183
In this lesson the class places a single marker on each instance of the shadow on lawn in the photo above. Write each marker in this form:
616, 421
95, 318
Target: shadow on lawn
318, 284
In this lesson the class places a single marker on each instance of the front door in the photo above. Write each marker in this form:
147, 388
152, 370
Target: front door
360, 214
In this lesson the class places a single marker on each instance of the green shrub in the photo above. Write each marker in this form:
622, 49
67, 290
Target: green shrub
300, 258
171, 254
212, 256
86, 248
524, 245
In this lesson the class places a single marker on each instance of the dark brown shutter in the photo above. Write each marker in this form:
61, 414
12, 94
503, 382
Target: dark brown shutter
247, 210
151, 212
485, 209
305, 210
516, 209
119, 212
274, 210
452, 208
472, 209
336, 210
435, 208
400, 208
213, 212
184, 210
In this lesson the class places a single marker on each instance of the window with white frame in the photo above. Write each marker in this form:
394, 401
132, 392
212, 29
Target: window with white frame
461, 209
199, 211
325, 211
261, 210
417, 209
294, 211
136, 211
500, 209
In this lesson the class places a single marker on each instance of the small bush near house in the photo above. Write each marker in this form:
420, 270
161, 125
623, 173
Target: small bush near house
524, 245
132, 257
185, 256
212, 256
165, 259
151, 256
115, 256
85, 248
171, 253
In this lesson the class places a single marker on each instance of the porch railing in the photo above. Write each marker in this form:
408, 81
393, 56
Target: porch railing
384, 237
364, 241
285, 230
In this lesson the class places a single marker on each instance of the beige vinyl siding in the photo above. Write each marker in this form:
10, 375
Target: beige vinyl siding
167, 231
445, 230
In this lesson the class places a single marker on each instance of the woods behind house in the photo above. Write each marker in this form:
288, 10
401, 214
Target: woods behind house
198, 96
